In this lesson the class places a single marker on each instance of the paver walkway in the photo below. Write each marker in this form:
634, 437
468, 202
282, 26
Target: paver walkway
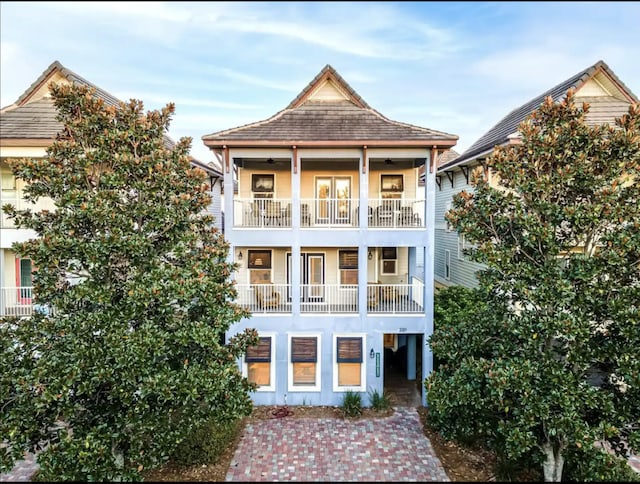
311, 449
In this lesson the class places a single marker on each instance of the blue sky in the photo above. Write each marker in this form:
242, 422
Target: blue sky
457, 67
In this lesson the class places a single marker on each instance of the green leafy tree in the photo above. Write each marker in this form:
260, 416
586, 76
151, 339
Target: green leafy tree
131, 356
552, 366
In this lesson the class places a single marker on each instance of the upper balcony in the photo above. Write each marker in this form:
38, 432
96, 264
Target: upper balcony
328, 213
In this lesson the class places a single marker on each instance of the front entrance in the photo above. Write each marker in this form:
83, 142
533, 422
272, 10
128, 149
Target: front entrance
311, 277
403, 369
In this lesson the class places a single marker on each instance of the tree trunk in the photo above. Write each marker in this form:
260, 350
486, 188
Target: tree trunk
552, 467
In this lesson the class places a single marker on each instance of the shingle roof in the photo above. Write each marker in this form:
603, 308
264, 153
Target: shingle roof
601, 111
317, 120
36, 119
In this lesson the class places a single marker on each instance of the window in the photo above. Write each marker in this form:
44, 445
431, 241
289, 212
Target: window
349, 368
8, 180
391, 183
461, 246
389, 260
447, 264
348, 266
259, 266
304, 368
259, 365
262, 185
24, 280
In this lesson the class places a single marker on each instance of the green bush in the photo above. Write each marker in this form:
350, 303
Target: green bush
352, 404
379, 401
207, 443
595, 465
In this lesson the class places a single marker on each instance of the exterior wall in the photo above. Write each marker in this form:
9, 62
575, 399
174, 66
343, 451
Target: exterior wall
370, 326
461, 271
215, 207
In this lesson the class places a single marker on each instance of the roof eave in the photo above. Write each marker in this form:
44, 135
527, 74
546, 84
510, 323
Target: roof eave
437, 143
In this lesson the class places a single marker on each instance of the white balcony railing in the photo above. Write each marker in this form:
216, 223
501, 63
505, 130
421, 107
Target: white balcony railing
395, 298
262, 212
328, 212
328, 298
20, 204
396, 213
332, 298
16, 301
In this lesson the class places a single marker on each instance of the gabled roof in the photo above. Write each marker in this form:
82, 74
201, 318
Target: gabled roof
33, 115
328, 112
603, 109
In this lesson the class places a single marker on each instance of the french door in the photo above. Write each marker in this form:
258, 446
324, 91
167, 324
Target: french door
333, 200
311, 276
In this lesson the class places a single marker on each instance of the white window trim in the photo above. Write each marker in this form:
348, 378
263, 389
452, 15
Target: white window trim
272, 365
345, 287
363, 366
304, 388
447, 264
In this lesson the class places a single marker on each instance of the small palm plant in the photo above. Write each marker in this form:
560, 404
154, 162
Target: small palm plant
352, 404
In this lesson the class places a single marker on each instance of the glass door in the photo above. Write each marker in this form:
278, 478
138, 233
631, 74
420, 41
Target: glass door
311, 276
333, 200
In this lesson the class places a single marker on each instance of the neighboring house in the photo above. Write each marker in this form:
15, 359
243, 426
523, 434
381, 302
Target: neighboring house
327, 223
27, 128
597, 85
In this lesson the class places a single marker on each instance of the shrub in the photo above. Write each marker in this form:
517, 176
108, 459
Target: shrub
207, 443
379, 401
595, 465
352, 404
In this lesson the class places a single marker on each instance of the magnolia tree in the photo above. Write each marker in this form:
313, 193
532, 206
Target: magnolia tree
130, 355
549, 368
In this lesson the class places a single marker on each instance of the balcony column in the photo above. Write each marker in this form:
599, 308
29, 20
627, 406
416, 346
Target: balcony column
2, 285
429, 254
362, 229
411, 357
295, 232
227, 177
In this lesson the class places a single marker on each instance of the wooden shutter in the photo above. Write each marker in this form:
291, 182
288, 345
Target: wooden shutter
349, 350
261, 352
304, 350
348, 259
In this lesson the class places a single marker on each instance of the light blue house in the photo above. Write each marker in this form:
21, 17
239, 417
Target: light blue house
326, 225
597, 85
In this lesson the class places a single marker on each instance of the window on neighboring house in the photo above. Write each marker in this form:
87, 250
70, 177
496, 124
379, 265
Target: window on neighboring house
447, 264
349, 369
304, 370
8, 180
447, 223
259, 365
348, 266
24, 280
389, 260
259, 266
461, 246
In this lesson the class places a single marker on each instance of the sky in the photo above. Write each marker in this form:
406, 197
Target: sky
457, 67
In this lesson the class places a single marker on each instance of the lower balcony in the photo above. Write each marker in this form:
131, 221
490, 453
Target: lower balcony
16, 301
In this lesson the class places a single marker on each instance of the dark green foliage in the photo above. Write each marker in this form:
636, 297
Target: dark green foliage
550, 362
132, 357
379, 401
594, 465
207, 442
352, 404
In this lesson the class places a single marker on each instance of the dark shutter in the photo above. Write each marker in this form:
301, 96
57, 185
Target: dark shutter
259, 353
304, 350
348, 259
389, 253
349, 350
